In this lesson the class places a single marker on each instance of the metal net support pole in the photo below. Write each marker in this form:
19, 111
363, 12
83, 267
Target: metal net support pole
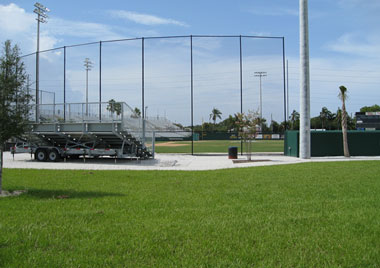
241, 88
143, 87
100, 81
284, 77
64, 83
192, 94
305, 139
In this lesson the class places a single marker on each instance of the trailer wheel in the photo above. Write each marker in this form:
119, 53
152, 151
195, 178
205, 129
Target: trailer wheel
54, 156
41, 155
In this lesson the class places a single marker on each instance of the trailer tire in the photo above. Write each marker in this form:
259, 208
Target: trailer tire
54, 156
41, 155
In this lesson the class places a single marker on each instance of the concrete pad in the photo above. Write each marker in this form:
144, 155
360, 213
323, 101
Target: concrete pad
168, 162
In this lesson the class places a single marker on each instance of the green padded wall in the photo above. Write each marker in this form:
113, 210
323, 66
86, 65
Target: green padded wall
330, 143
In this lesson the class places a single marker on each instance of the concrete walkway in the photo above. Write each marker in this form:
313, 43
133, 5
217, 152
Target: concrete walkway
168, 162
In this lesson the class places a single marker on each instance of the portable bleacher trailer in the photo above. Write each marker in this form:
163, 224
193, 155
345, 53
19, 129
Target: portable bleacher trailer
95, 130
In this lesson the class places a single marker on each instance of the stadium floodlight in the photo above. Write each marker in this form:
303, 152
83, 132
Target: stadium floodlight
41, 7
88, 64
41, 11
261, 74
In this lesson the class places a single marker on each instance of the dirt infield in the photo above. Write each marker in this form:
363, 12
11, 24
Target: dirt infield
170, 144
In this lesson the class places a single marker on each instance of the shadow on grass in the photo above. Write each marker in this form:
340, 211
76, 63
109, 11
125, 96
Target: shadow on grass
66, 194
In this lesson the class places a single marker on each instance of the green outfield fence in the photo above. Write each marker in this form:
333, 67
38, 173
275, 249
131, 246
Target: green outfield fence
330, 143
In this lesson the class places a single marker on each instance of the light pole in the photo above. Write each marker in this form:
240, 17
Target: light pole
261, 74
41, 11
88, 65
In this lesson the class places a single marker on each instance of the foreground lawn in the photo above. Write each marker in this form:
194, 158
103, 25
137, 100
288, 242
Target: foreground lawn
306, 215
218, 146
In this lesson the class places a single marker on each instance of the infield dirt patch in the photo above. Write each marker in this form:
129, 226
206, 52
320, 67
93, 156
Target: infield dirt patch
170, 144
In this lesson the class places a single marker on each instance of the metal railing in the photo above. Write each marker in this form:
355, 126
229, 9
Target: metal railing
82, 112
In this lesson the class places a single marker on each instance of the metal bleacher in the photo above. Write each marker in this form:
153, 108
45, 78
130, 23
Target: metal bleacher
101, 126
92, 125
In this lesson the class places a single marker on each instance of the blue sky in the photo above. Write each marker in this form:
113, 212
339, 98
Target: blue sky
344, 49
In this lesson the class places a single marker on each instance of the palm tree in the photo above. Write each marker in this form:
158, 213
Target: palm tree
343, 97
114, 107
215, 114
325, 115
262, 123
338, 118
137, 111
294, 117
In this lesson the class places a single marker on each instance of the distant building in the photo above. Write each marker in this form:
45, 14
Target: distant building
368, 121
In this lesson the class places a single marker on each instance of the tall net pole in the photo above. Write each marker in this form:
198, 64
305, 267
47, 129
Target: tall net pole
305, 139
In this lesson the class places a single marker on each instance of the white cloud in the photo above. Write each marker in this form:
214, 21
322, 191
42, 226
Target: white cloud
14, 19
356, 44
88, 30
145, 19
20, 26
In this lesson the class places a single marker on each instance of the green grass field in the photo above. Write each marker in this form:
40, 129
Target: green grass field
304, 215
217, 146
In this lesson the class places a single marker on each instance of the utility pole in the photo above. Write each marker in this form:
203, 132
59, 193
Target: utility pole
305, 138
88, 65
261, 74
41, 11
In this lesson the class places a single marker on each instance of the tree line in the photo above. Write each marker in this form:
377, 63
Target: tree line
326, 119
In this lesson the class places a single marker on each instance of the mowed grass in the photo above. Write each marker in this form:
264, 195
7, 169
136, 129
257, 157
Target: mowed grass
304, 215
218, 146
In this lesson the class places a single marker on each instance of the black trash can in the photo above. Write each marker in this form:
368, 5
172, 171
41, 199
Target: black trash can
232, 152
